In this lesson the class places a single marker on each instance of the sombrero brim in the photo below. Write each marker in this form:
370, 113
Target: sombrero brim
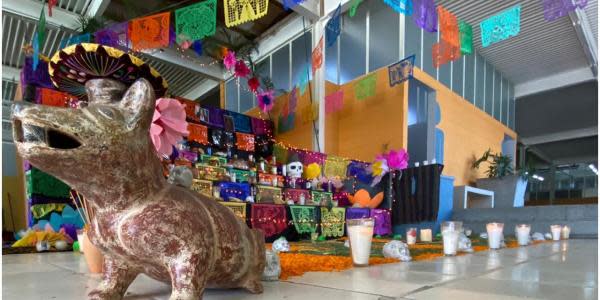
71, 67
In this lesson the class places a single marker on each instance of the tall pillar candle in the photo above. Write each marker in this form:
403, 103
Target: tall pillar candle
411, 236
494, 231
522, 232
426, 235
360, 233
566, 231
556, 231
450, 235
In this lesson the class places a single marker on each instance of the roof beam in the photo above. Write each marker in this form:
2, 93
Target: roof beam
554, 81
10, 73
560, 136
200, 89
310, 9
586, 38
31, 9
96, 8
214, 71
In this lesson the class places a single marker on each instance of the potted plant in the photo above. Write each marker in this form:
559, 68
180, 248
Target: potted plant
508, 187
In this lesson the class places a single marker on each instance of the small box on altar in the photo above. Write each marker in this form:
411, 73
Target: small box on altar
270, 179
208, 172
321, 198
242, 175
297, 195
202, 186
269, 194
238, 208
215, 161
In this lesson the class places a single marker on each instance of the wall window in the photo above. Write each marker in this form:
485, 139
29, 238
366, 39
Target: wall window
231, 95
497, 95
353, 46
470, 78
457, 76
412, 41
281, 68
301, 57
489, 89
479, 81
384, 30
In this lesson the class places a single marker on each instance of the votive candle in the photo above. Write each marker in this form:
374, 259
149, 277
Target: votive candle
426, 235
494, 231
411, 236
556, 231
522, 232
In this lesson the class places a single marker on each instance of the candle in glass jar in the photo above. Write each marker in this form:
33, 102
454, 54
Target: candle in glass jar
360, 233
450, 235
556, 231
426, 235
494, 231
566, 231
522, 232
283, 171
411, 236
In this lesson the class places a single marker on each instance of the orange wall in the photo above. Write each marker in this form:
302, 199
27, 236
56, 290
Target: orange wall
468, 132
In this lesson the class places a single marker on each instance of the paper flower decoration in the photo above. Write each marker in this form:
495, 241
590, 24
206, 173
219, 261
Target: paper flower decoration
253, 84
168, 125
378, 169
397, 160
362, 199
229, 60
265, 100
312, 171
241, 69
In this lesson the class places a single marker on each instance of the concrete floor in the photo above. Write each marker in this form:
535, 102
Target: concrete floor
560, 270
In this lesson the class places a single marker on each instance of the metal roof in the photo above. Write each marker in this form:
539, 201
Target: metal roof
540, 49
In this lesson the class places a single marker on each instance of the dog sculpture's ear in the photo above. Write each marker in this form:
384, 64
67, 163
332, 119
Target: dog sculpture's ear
138, 103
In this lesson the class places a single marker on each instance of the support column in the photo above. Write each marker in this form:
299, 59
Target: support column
552, 181
318, 85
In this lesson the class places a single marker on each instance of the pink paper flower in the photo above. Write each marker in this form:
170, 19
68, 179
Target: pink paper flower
229, 60
168, 125
397, 160
265, 100
241, 69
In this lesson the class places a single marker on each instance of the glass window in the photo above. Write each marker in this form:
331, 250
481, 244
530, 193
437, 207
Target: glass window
301, 56
281, 68
497, 95
479, 81
412, 42
428, 40
489, 88
331, 63
444, 74
457, 76
353, 47
263, 68
231, 95
504, 102
384, 31
247, 98
470, 78
511, 107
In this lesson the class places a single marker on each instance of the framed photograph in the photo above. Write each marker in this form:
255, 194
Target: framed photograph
204, 114
229, 124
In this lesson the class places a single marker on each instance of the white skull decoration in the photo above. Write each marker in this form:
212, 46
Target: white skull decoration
294, 169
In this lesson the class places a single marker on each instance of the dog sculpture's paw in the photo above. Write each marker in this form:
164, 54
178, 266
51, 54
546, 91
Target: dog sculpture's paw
184, 295
254, 287
99, 294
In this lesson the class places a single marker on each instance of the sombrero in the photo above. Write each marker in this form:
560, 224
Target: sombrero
71, 67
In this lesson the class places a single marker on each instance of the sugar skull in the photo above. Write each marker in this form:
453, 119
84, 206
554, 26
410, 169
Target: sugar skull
294, 169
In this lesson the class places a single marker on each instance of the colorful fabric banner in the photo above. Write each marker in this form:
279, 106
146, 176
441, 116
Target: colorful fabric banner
286, 123
116, 36
303, 83
260, 127
365, 87
333, 27
335, 167
240, 11
38, 77
150, 32
296, 194
269, 194
554, 9
293, 100
245, 141
234, 190
305, 218
401, 6
355, 4
356, 213
51, 4
317, 56
269, 218
466, 37
401, 71
333, 221
238, 209
383, 221
41, 28
443, 53
197, 133
53, 97
280, 153
196, 21
448, 27
501, 26
320, 198
202, 186
334, 102
36, 51
289, 4
309, 157
76, 39
425, 15
241, 122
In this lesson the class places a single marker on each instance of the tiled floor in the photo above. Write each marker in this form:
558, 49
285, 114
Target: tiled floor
561, 270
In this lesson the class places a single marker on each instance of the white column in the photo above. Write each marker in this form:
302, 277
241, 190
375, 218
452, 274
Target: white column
318, 85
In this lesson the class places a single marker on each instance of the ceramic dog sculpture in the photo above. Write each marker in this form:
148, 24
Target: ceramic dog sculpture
142, 224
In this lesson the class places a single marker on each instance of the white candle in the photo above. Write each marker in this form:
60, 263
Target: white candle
522, 232
274, 181
284, 171
411, 236
426, 235
494, 231
450, 235
360, 233
566, 231
556, 232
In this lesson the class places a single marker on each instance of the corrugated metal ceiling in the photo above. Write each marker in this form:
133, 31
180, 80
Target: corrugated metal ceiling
18, 31
540, 49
